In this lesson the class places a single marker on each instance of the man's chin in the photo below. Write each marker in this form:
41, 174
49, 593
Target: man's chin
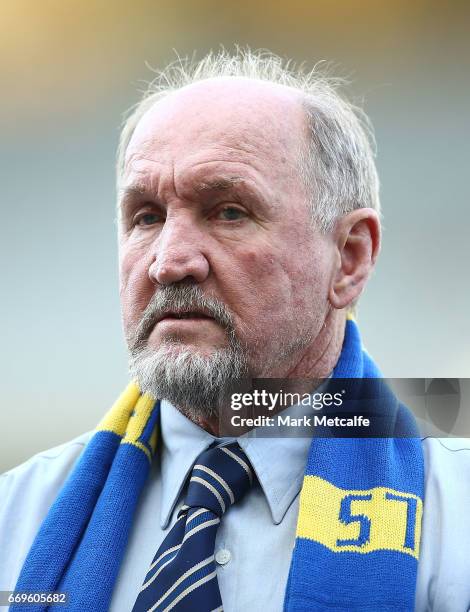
176, 347
204, 335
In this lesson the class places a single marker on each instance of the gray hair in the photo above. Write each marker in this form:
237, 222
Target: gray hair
337, 165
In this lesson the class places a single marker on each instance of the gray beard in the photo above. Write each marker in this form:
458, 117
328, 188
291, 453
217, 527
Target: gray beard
196, 384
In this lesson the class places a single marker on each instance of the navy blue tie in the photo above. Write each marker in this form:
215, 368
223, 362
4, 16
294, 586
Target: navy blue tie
182, 576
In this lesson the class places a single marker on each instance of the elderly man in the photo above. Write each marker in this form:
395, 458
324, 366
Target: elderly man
248, 228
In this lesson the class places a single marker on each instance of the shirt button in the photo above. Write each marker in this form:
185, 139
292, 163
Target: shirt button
223, 556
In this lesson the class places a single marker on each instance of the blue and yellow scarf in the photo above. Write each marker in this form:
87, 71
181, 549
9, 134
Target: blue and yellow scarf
358, 530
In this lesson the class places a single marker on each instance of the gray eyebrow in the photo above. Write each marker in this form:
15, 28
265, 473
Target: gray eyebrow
131, 190
219, 184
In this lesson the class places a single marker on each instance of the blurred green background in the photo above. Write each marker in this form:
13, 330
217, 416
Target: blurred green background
70, 69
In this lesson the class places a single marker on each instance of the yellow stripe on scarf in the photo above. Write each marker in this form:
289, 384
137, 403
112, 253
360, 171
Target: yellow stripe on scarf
376, 519
128, 417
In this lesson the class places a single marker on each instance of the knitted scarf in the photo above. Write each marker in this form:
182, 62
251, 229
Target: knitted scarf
358, 529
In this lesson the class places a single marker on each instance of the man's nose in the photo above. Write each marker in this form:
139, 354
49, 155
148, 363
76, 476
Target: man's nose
178, 254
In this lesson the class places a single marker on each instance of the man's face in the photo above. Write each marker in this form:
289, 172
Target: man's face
212, 199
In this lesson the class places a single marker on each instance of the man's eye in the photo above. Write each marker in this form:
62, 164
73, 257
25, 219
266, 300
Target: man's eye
231, 213
147, 219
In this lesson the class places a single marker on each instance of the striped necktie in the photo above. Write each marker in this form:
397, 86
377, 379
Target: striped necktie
182, 576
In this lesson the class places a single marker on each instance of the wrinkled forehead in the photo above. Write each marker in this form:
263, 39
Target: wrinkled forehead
236, 116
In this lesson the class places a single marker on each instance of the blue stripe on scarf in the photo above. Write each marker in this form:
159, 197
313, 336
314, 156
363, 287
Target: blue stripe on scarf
92, 573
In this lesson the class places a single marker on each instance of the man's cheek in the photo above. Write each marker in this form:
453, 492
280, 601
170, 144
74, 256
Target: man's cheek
134, 265
136, 291
262, 286
129, 258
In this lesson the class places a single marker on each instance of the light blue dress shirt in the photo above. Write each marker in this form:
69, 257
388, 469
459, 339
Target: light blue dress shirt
256, 536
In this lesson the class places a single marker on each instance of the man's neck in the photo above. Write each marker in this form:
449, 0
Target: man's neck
322, 354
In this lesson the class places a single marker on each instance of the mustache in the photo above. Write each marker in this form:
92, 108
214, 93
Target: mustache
179, 297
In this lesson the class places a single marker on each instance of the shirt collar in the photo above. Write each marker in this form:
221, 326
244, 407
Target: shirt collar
279, 463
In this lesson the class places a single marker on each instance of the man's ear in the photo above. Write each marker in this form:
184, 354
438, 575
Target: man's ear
357, 238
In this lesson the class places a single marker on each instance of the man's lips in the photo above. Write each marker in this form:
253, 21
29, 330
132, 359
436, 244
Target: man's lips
189, 321
184, 316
